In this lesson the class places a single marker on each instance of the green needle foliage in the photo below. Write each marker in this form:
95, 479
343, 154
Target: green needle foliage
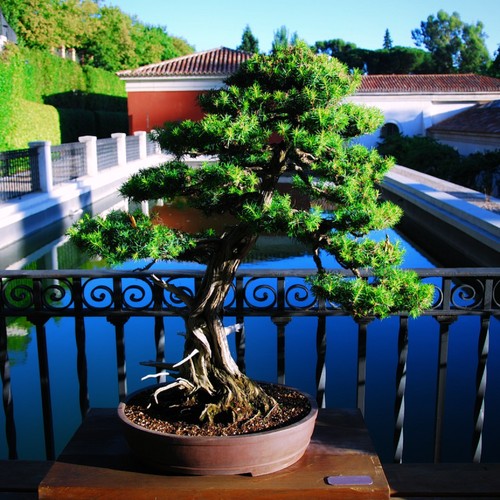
284, 114
280, 114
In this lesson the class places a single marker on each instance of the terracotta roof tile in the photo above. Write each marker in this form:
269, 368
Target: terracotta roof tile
220, 61
428, 83
223, 61
482, 118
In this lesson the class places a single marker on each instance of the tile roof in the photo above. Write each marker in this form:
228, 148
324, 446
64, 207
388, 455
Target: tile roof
428, 83
223, 61
216, 62
482, 118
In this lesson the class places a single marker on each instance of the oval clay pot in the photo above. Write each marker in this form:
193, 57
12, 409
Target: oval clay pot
255, 454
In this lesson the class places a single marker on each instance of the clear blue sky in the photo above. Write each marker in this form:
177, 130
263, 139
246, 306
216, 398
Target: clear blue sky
208, 24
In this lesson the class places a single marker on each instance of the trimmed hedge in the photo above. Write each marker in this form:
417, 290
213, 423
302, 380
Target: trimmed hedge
80, 94
30, 122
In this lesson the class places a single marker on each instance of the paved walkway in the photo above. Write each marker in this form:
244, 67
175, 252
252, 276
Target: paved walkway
469, 195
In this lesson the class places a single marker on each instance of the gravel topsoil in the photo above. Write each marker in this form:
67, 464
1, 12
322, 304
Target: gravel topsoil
173, 418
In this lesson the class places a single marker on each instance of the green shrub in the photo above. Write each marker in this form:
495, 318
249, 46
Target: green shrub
45, 79
99, 81
30, 122
424, 154
10, 63
46, 75
479, 170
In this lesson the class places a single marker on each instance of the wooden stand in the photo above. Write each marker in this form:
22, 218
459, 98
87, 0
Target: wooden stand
98, 464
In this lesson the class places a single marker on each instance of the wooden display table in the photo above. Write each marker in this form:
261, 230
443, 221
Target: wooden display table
97, 463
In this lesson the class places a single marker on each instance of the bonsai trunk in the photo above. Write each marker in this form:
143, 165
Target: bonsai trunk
217, 383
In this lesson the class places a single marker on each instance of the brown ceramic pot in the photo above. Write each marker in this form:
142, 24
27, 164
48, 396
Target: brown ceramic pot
255, 454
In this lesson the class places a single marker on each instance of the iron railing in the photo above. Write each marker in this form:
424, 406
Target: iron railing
107, 153
18, 173
132, 147
69, 161
151, 147
281, 296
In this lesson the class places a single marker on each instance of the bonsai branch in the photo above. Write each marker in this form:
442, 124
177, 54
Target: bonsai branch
177, 291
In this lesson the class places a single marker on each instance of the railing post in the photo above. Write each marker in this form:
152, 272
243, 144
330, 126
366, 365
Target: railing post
281, 323
321, 362
240, 319
44, 164
143, 153
159, 329
91, 145
362, 334
121, 145
444, 336
118, 322
8, 404
43, 368
481, 377
81, 356
399, 406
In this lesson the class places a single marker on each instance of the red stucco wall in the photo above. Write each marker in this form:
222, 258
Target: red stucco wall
150, 109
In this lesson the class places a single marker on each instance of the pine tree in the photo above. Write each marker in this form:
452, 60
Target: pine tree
387, 40
248, 42
280, 114
455, 46
280, 38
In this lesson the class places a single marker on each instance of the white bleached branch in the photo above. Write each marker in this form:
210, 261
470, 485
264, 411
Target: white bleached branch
187, 358
155, 375
233, 328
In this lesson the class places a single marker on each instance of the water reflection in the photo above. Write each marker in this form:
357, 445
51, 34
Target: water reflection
261, 354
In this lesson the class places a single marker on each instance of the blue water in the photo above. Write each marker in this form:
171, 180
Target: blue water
261, 363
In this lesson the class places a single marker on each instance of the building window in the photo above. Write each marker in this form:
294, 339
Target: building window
389, 129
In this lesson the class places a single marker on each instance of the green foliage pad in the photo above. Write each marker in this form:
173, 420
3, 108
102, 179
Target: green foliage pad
285, 114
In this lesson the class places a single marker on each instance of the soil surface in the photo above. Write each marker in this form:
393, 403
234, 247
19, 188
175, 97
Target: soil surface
172, 418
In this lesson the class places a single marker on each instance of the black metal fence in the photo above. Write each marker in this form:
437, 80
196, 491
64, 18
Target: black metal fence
69, 161
152, 147
132, 145
281, 296
19, 173
107, 154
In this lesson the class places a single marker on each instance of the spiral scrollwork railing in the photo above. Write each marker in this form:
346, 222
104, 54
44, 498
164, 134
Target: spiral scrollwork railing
39, 296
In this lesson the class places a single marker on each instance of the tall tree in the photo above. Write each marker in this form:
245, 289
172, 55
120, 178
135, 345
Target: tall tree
494, 67
282, 38
474, 56
248, 42
103, 36
112, 47
387, 40
455, 46
333, 47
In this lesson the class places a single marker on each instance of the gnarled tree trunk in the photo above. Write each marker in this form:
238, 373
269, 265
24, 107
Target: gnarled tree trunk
212, 371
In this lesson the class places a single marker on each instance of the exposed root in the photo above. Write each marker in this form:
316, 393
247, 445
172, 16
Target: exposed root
180, 382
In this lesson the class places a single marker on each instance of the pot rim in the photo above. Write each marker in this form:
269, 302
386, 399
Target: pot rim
311, 415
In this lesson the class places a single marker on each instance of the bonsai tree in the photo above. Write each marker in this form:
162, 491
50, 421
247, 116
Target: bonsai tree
280, 114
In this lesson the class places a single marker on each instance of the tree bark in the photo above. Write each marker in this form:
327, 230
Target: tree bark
213, 371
